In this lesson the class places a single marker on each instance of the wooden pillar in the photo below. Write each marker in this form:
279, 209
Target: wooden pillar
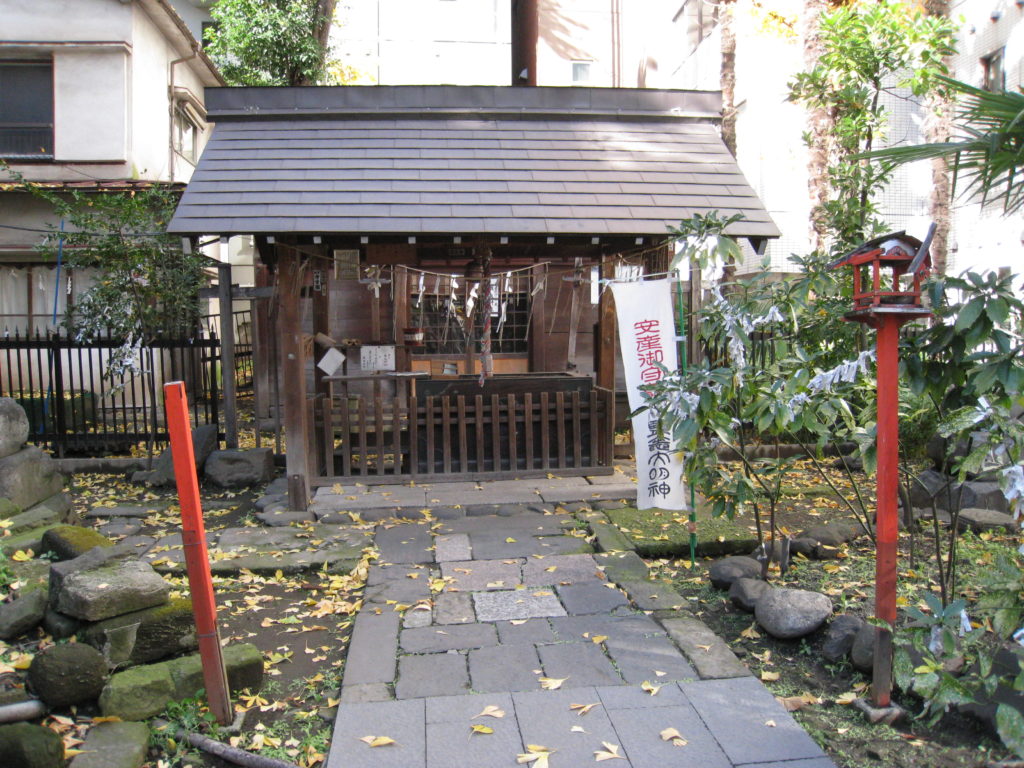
227, 350
606, 341
538, 361
575, 311
403, 356
293, 371
694, 352
321, 300
261, 346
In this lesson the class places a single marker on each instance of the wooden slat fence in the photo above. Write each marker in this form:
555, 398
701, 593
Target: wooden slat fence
379, 439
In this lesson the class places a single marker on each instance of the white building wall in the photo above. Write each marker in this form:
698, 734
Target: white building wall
90, 105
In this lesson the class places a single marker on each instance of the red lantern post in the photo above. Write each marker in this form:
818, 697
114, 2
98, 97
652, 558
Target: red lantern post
881, 301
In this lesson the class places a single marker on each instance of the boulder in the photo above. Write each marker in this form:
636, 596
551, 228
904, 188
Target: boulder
929, 485
138, 693
240, 468
30, 746
791, 613
52, 511
67, 542
981, 495
114, 745
58, 626
145, 636
862, 652
94, 558
29, 476
727, 570
112, 589
24, 612
67, 673
979, 520
744, 593
832, 534
803, 546
204, 442
8, 508
839, 637
271, 498
13, 426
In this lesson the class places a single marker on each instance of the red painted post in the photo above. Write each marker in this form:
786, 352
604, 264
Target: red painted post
886, 525
197, 560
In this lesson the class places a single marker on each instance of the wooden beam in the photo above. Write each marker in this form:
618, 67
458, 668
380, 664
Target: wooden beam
290, 269
239, 293
261, 346
401, 318
538, 362
606, 340
227, 354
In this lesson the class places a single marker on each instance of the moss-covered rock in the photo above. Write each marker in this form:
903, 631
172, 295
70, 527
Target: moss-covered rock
144, 636
30, 746
138, 693
67, 674
67, 542
8, 508
24, 612
243, 662
31, 539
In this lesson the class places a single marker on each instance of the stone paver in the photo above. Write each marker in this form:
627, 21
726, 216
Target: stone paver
497, 545
635, 697
639, 731
477, 575
580, 664
545, 718
404, 590
403, 721
576, 629
760, 730
406, 543
591, 597
422, 616
708, 653
529, 522
433, 674
449, 638
372, 650
454, 608
452, 547
525, 631
516, 604
560, 569
504, 668
606, 491
654, 658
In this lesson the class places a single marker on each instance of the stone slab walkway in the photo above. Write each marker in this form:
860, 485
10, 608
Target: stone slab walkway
516, 611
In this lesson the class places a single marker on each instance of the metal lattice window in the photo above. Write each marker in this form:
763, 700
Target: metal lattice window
26, 110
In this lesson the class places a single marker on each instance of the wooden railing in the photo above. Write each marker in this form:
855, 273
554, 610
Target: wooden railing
378, 439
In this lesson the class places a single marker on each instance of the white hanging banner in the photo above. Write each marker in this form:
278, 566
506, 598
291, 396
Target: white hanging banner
647, 337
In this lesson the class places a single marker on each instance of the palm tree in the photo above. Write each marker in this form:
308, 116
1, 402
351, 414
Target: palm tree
988, 159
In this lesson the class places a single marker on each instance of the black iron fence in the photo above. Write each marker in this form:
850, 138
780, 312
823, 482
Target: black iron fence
243, 344
75, 408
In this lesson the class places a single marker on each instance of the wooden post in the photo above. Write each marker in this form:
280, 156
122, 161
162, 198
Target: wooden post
261, 344
575, 310
293, 371
197, 559
538, 362
227, 351
606, 341
695, 353
403, 357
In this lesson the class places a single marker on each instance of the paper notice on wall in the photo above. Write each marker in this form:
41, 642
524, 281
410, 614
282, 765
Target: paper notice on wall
331, 361
647, 340
377, 358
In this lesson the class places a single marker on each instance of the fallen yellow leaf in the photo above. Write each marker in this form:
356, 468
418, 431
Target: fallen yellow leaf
535, 754
610, 752
598, 639
552, 683
477, 728
582, 709
22, 556
378, 741
769, 677
650, 687
673, 735
490, 711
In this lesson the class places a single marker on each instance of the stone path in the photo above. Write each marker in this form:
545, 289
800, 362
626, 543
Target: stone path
487, 610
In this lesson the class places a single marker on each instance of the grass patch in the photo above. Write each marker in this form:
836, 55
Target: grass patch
666, 533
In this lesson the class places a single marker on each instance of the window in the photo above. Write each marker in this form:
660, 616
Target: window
697, 18
580, 72
26, 110
186, 134
994, 73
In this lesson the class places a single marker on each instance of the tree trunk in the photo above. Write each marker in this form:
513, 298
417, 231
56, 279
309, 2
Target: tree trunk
819, 127
727, 22
937, 128
321, 32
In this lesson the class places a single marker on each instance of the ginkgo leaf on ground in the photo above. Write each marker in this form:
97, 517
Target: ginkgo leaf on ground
769, 677
552, 683
650, 687
582, 709
610, 752
378, 741
535, 754
673, 735
478, 728
490, 711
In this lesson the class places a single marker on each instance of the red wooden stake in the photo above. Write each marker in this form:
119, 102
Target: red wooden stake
886, 524
197, 560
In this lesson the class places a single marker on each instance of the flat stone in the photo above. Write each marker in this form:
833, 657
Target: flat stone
610, 538
52, 511
489, 494
129, 510
282, 518
494, 545
112, 589
529, 631
979, 520
623, 566
403, 721
579, 629
351, 694
24, 613
504, 668
270, 498
415, 618
615, 491
707, 652
614, 478
742, 731
634, 697
403, 590
581, 664
382, 573
479, 575
448, 746
113, 745
372, 650
406, 543
463, 709
560, 569
29, 476
118, 529
447, 512
639, 731
452, 637
452, 547
545, 718
433, 674
515, 604
454, 608
528, 522
652, 596
591, 597
640, 659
